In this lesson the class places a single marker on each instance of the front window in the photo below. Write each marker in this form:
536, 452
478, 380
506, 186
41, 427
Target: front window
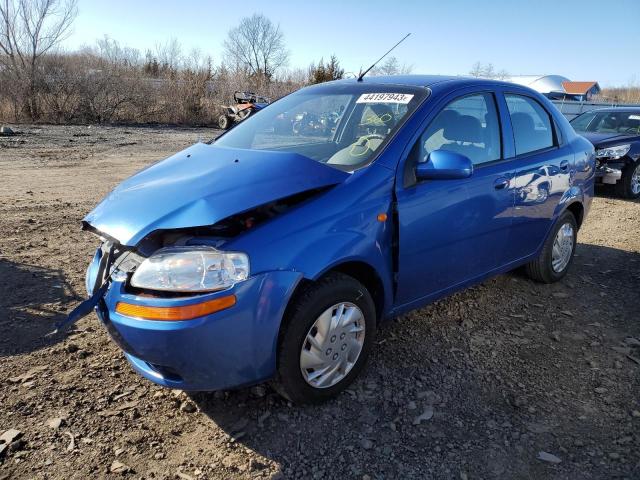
582, 122
608, 122
343, 126
469, 126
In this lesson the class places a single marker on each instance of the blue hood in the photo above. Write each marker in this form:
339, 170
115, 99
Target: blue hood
203, 185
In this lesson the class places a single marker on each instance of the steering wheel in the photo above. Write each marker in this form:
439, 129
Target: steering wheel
363, 145
358, 151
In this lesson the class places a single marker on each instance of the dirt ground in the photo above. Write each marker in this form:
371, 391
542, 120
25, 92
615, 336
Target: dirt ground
523, 381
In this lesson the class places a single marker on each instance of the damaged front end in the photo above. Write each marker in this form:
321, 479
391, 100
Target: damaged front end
167, 283
164, 264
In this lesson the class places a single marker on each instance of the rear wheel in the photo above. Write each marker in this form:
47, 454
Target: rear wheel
557, 254
325, 340
224, 122
629, 184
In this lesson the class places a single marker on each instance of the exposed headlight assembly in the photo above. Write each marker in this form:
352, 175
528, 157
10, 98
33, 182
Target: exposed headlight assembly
191, 269
613, 153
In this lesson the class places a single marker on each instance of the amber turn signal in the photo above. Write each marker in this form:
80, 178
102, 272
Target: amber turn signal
382, 217
186, 312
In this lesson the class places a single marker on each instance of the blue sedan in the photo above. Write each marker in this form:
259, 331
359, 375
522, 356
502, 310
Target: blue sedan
275, 251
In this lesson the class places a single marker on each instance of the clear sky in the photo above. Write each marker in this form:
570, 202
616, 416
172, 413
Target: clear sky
580, 39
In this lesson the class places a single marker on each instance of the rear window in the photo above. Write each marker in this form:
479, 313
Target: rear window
531, 123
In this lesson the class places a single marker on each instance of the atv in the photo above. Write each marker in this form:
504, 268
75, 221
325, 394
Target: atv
246, 104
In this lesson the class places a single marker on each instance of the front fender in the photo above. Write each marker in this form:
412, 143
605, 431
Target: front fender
352, 222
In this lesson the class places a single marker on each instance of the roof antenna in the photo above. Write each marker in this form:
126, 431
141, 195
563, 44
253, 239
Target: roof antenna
362, 74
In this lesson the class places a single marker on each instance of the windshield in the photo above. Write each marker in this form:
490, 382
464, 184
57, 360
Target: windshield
340, 125
608, 122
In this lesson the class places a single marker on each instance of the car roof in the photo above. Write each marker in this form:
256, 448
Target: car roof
422, 80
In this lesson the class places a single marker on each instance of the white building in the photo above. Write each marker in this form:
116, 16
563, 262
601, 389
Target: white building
544, 84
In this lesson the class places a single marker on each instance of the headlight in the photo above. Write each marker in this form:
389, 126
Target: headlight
191, 269
613, 152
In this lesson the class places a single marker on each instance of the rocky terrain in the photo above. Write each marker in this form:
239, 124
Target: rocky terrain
508, 380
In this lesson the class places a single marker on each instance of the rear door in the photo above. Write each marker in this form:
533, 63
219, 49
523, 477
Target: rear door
544, 168
452, 231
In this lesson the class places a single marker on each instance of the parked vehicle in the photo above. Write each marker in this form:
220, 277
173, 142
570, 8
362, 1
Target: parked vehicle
247, 103
262, 257
615, 134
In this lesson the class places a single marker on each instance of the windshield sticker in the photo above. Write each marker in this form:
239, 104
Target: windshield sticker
385, 98
634, 117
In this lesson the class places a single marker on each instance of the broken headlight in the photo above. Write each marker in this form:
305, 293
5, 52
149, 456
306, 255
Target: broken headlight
191, 269
613, 153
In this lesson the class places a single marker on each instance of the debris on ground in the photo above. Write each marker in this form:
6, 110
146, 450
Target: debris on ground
510, 379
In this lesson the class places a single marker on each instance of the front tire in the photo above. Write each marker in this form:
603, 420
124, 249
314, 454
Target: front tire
326, 338
557, 253
629, 184
224, 122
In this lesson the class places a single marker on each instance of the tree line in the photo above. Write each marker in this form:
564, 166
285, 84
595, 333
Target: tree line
112, 83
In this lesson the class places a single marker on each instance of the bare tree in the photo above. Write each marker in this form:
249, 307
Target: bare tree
502, 75
392, 66
487, 70
169, 55
256, 45
476, 69
28, 30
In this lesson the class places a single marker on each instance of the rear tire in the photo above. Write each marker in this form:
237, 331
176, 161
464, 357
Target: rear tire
556, 256
332, 350
629, 184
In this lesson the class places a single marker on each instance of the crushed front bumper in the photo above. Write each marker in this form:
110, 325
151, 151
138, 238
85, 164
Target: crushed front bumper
609, 173
229, 348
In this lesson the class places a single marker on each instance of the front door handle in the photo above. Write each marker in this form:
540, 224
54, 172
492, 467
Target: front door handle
564, 164
500, 183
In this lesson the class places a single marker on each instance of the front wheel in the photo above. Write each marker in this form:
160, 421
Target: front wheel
224, 122
326, 339
629, 184
557, 253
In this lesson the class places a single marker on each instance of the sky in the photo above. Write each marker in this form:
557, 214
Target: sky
579, 39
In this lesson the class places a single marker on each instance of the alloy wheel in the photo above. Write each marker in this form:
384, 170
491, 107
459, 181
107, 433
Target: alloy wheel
635, 180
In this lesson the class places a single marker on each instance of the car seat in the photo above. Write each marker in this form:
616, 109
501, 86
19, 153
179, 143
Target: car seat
465, 133
524, 132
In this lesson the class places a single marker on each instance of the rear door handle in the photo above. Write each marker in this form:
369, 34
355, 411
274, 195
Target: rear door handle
500, 183
564, 164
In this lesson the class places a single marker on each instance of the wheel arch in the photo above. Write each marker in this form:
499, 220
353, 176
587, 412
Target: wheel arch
369, 277
362, 271
577, 209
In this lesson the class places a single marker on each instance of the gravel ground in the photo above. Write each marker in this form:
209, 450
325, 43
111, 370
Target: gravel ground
510, 379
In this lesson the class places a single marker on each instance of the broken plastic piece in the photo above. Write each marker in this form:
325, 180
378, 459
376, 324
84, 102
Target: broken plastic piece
82, 310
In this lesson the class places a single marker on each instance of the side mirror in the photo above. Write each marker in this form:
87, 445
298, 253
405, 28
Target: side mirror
444, 165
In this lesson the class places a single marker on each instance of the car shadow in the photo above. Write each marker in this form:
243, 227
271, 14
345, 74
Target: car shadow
608, 191
32, 300
374, 419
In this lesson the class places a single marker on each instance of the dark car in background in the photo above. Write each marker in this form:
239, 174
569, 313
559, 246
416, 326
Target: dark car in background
615, 134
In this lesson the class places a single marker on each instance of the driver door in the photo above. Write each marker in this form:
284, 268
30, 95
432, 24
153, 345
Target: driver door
452, 231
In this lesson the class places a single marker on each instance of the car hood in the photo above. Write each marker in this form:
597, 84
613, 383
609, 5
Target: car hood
203, 185
605, 139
